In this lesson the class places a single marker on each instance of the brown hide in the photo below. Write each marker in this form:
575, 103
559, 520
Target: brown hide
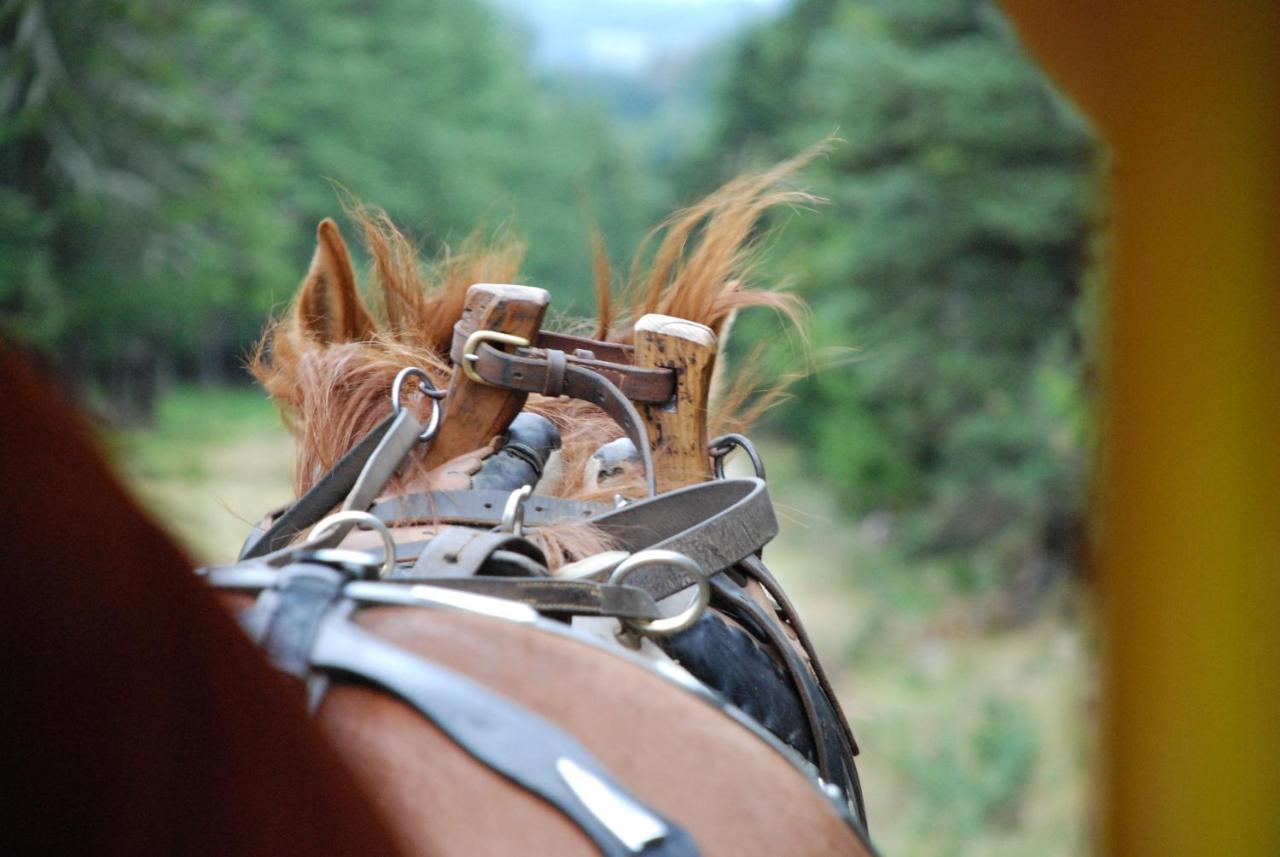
684, 758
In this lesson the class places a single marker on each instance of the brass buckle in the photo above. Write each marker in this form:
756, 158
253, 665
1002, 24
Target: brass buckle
473, 342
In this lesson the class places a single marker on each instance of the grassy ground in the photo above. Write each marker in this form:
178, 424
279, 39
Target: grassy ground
213, 463
975, 741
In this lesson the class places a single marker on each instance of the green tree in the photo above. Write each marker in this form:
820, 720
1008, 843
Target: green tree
950, 264
163, 164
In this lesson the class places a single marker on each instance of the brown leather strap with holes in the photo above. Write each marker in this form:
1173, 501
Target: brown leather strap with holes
547, 368
554, 373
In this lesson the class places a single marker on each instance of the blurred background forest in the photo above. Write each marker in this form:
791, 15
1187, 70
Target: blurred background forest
163, 165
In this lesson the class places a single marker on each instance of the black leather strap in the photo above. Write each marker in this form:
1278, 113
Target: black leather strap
829, 731
553, 595
463, 552
716, 524
354, 481
481, 507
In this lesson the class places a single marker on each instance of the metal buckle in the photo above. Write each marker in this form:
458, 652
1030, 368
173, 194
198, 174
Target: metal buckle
474, 341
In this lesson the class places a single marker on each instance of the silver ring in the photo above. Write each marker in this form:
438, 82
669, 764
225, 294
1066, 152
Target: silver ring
513, 512
353, 516
686, 617
720, 448
426, 388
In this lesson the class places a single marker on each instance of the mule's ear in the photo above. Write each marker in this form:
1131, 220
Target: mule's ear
329, 306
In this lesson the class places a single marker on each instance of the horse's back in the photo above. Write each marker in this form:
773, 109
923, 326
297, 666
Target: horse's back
684, 757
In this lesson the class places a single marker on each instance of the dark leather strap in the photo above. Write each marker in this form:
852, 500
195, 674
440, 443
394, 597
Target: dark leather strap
480, 507
354, 481
554, 376
535, 370
316, 503
830, 732
554, 595
463, 552
716, 524
303, 622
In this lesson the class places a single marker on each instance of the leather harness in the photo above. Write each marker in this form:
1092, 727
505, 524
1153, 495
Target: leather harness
302, 616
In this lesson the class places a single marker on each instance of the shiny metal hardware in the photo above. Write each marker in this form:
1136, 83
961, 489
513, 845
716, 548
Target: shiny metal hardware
513, 512
358, 563
634, 825
592, 567
475, 340
426, 388
360, 519
720, 448
686, 617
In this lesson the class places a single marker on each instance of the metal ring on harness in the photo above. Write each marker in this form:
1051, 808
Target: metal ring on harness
513, 512
686, 617
428, 389
354, 516
720, 448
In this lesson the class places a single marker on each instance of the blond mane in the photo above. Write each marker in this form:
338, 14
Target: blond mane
329, 361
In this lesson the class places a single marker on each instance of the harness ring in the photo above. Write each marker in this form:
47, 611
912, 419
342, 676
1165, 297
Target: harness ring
426, 388
686, 617
513, 512
354, 516
720, 448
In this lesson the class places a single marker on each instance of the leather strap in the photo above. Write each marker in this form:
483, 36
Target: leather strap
316, 503
507, 738
554, 595
534, 369
354, 481
716, 524
480, 507
515, 371
463, 552
834, 755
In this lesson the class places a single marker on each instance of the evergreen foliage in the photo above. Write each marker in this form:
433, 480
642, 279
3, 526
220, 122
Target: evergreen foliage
163, 164
952, 259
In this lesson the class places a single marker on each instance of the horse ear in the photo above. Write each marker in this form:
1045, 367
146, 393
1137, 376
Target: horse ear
329, 307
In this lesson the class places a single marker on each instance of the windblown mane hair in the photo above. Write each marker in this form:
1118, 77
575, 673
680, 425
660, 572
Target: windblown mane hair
329, 362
